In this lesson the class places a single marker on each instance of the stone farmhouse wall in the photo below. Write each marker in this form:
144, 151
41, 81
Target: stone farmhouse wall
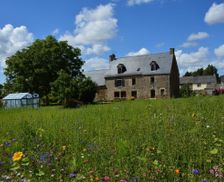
143, 88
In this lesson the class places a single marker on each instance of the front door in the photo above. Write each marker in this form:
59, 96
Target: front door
153, 93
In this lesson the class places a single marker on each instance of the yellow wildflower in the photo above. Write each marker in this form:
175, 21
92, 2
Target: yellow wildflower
193, 115
91, 178
17, 156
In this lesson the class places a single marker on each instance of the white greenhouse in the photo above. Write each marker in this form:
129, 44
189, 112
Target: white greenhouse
21, 100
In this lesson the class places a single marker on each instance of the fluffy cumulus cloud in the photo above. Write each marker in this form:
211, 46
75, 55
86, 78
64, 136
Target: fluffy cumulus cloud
198, 36
94, 27
215, 14
219, 52
200, 58
137, 2
142, 51
96, 63
192, 61
13, 39
192, 38
97, 49
189, 44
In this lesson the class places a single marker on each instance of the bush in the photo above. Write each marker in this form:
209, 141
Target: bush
185, 91
1, 104
81, 89
72, 103
87, 90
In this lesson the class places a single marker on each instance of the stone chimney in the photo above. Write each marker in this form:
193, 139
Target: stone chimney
112, 57
172, 51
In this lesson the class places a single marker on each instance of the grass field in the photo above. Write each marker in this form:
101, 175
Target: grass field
142, 140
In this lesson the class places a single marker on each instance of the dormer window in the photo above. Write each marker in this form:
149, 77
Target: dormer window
154, 66
121, 69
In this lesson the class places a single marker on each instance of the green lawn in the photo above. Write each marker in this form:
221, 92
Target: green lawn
142, 140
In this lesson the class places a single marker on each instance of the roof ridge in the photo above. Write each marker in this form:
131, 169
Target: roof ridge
153, 54
199, 76
95, 70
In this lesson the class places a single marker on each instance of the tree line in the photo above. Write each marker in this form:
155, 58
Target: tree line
209, 70
51, 68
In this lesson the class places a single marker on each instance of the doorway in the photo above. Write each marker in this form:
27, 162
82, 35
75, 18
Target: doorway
153, 93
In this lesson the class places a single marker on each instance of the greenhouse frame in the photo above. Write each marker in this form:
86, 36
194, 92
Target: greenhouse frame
16, 100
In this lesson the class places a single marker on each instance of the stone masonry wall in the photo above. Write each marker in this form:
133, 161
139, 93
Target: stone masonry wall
101, 93
143, 86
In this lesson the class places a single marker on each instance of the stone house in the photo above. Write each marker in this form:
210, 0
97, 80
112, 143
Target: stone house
144, 76
200, 84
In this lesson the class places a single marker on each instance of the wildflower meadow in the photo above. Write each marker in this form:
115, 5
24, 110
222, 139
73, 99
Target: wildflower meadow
128, 141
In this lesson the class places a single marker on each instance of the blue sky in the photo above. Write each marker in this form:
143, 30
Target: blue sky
195, 28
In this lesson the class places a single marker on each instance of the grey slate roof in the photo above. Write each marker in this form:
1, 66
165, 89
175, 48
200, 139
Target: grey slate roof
97, 76
135, 65
140, 65
16, 96
197, 79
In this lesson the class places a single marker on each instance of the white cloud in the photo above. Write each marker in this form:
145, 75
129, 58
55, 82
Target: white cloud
194, 37
198, 36
97, 49
192, 61
11, 40
189, 44
219, 64
55, 31
137, 2
96, 63
94, 27
219, 52
142, 51
215, 14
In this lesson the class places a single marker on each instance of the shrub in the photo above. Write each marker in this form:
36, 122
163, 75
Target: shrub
72, 103
185, 91
1, 104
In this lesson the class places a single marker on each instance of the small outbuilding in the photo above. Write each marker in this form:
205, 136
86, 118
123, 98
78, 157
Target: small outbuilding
17, 100
200, 84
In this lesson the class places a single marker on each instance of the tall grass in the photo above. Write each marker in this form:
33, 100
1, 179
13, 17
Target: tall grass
142, 140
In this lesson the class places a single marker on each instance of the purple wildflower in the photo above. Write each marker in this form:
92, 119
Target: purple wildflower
1, 163
195, 171
23, 180
72, 175
204, 180
6, 144
44, 157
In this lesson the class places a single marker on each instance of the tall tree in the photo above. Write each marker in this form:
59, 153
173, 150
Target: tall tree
211, 70
34, 68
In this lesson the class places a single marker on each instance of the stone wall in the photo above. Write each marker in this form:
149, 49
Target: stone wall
101, 93
143, 87
174, 79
